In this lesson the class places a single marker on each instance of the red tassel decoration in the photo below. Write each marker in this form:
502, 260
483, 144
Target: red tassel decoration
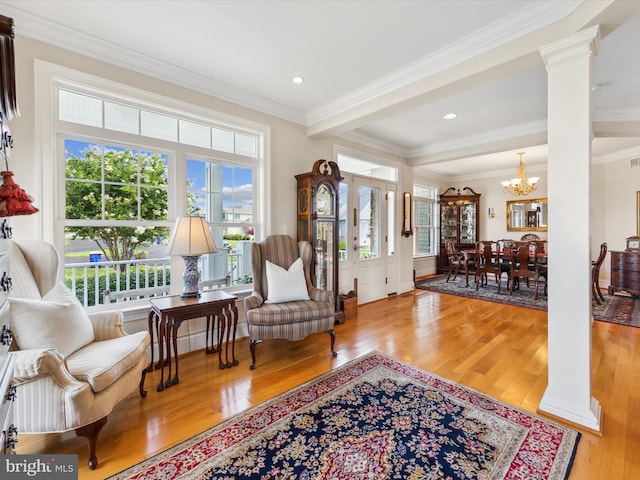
13, 199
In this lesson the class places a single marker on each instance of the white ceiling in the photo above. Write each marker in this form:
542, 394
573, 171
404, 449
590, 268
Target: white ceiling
380, 72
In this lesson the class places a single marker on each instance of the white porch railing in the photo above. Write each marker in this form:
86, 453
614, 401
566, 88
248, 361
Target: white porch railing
103, 282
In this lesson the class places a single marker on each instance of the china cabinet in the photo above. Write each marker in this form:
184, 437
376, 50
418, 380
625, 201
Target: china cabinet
459, 220
317, 223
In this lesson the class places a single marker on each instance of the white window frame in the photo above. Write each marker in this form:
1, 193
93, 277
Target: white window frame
50, 131
434, 220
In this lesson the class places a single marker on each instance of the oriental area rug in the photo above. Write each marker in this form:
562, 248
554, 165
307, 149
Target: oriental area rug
621, 309
373, 418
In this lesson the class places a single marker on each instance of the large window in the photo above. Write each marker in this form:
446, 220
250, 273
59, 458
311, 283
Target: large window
424, 202
130, 168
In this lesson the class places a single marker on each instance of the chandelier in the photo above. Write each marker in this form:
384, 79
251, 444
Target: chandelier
521, 185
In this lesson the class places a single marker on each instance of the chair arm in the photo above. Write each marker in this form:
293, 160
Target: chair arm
37, 363
253, 301
320, 295
107, 325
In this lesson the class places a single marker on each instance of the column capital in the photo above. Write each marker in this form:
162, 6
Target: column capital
580, 44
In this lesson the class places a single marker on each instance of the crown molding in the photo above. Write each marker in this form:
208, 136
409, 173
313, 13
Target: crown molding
519, 24
48, 32
375, 142
626, 154
461, 143
482, 138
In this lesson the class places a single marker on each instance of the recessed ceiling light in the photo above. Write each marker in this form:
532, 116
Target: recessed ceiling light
450, 116
297, 80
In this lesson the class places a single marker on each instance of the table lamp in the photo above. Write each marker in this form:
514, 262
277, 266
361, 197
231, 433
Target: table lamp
191, 238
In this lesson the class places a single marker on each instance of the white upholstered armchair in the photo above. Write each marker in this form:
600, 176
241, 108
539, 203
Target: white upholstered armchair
71, 367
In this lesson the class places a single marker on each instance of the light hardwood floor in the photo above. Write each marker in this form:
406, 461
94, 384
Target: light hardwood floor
495, 349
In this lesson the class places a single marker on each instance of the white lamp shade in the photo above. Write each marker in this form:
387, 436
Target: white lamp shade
191, 237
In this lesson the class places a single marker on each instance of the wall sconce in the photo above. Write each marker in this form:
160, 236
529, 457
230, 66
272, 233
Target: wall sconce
407, 229
492, 213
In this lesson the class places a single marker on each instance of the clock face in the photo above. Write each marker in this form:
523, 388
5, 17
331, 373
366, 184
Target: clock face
324, 201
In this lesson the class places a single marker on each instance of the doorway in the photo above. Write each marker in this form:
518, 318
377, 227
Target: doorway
368, 259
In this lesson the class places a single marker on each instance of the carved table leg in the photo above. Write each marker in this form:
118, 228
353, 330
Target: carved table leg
175, 324
148, 368
223, 328
227, 320
209, 347
161, 344
233, 338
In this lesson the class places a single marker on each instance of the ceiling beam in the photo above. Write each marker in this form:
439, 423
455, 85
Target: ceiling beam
501, 62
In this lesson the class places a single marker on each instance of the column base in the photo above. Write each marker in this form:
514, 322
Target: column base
590, 419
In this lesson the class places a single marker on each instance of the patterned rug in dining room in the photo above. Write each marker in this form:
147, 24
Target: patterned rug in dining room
373, 418
619, 308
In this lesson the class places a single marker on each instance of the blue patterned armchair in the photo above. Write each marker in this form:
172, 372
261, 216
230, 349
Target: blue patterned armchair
291, 320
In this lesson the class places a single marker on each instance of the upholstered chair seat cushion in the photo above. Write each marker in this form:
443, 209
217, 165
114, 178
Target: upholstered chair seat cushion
102, 363
291, 320
279, 313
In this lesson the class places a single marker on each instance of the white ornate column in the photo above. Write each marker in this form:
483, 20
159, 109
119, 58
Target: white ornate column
568, 394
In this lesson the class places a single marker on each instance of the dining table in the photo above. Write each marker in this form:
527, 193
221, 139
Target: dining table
471, 254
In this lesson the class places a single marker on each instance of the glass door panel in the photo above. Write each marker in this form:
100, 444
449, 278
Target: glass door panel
449, 216
368, 222
343, 226
468, 234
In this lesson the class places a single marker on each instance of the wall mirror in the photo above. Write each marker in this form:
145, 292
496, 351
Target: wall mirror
527, 215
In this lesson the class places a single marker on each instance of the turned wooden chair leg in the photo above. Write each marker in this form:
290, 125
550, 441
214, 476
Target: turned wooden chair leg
594, 294
333, 341
252, 348
91, 432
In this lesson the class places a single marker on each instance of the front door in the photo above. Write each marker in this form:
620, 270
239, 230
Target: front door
369, 246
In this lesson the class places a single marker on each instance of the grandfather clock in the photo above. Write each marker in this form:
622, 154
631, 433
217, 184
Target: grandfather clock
318, 223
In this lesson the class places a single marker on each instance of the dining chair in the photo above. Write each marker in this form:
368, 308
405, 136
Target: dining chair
455, 258
595, 274
525, 266
489, 262
505, 246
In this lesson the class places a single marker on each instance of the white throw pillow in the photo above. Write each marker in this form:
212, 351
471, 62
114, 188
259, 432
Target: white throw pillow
286, 285
56, 321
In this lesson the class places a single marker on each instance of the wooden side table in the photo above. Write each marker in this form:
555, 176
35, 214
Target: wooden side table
168, 313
